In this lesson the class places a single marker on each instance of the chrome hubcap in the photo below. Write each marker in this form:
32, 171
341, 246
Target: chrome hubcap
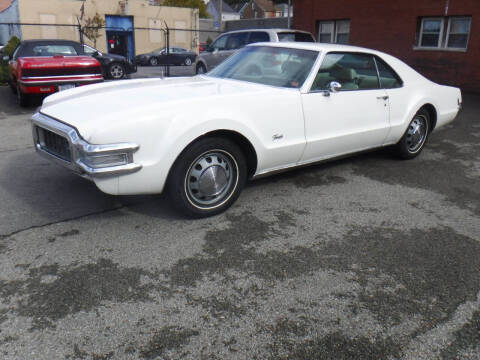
153, 61
116, 71
188, 62
417, 133
210, 178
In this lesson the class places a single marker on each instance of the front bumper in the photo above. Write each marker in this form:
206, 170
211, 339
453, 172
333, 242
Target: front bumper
62, 144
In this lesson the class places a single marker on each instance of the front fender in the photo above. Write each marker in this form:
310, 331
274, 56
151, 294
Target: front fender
153, 176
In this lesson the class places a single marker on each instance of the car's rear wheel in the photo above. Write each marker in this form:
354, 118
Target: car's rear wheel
201, 68
207, 177
116, 71
153, 61
22, 98
415, 137
188, 61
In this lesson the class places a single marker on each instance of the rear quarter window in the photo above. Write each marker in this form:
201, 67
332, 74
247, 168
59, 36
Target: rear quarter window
52, 50
295, 36
389, 79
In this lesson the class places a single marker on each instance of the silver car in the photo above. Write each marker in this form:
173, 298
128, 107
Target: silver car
226, 44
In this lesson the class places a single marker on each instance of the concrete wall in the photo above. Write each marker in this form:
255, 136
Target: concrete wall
392, 26
145, 16
208, 30
271, 23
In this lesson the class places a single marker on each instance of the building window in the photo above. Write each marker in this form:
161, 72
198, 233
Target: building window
337, 31
458, 32
444, 32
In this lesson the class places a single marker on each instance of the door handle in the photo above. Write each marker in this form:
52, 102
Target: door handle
383, 97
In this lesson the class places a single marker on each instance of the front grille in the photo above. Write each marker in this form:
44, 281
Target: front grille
54, 144
62, 71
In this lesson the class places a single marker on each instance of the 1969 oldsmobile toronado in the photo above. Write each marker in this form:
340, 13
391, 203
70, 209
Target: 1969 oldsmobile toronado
269, 107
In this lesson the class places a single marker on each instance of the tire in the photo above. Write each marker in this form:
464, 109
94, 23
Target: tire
207, 177
201, 69
12, 86
153, 61
413, 141
116, 71
188, 61
22, 99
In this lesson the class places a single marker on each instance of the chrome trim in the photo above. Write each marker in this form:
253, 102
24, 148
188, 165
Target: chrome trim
59, 76
56, 80
79, 147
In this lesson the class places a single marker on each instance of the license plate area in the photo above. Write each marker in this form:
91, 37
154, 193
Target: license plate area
65, 87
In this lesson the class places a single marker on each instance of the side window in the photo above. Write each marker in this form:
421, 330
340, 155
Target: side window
220, 43
388, 77
88, 50
258, 36
353, 71
15, 53
237, 41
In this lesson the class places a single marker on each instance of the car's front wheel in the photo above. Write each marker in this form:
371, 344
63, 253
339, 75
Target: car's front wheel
116, 71
201, 68
415, 137
188, 61
153, 61
207, 177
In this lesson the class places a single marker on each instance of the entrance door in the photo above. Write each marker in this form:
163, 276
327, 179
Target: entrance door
117, 43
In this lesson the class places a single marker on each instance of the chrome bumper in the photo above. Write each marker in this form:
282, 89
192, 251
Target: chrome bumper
79, 150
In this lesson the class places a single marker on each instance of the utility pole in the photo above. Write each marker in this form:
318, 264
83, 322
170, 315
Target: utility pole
220, 16
289, 14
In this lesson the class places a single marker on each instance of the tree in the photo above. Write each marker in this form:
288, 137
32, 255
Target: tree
92, 27
194, 4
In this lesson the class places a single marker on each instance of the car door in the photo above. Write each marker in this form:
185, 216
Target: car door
216, 56
354, 118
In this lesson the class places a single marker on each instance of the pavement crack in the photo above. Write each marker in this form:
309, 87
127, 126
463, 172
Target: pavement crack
6, 236
17, 149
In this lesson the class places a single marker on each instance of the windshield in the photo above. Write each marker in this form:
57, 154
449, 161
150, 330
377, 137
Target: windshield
275, 66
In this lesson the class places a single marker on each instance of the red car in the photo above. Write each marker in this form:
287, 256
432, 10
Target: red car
45, 67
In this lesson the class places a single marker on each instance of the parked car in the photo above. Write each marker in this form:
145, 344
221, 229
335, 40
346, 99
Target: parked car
113, 66
226, 44
176, 56
270, 107
202, 47
48, 66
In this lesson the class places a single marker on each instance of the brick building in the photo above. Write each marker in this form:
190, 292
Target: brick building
439, 38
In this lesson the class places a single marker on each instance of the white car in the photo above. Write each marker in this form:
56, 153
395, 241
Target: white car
270, 107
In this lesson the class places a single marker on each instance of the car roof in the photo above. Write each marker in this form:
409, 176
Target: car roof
324, 47
267, 30
48, 41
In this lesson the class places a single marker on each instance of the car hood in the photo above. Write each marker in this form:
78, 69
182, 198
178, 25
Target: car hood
94, 106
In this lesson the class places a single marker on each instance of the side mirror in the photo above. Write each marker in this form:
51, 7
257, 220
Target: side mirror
96, 53
333, 87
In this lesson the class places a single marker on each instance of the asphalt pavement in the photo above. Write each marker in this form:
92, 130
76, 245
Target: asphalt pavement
365, 258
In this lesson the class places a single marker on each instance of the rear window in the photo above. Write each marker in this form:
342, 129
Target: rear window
52, 50
295, 36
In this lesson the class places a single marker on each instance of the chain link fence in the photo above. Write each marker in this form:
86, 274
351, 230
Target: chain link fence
128, 42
